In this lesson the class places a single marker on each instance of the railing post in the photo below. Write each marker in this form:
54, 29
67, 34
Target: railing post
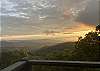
28, 66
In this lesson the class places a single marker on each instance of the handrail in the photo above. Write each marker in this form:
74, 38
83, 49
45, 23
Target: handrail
85, 64
26, 65
16, 66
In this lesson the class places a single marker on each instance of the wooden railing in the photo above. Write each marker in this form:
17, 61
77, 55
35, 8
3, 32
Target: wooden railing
26, 65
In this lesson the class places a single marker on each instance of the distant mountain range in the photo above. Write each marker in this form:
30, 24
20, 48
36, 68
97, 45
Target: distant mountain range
57, 48
29, 43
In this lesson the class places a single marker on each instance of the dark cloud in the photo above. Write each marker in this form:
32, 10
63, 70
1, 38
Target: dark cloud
91, 14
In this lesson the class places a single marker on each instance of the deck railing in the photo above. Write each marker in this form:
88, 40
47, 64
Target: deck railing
26, 65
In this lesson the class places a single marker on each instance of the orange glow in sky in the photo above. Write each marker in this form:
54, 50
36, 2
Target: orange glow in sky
69, 34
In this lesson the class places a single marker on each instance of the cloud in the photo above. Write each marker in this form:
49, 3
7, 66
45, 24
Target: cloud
90, 14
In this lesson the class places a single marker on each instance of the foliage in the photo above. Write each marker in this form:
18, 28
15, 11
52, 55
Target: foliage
10, 57
87, 48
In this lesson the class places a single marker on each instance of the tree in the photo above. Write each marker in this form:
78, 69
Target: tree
98, 27
87, 48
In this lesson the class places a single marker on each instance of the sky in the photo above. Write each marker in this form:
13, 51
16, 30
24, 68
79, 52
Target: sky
42, 19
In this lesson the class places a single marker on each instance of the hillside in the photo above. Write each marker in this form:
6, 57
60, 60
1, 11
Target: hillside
57, 48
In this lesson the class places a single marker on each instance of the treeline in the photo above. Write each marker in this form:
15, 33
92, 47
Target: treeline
85, 49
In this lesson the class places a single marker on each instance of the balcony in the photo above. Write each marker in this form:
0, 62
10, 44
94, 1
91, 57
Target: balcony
26, 65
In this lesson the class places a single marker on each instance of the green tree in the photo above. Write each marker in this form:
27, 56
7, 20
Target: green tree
87, 48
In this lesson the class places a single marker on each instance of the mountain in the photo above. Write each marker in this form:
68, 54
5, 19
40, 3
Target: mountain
57, 48
29, 43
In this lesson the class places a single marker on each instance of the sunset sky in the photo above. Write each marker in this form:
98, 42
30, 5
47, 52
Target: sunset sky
48, 19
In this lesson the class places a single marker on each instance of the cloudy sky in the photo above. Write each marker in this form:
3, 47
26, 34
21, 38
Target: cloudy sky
58, 18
